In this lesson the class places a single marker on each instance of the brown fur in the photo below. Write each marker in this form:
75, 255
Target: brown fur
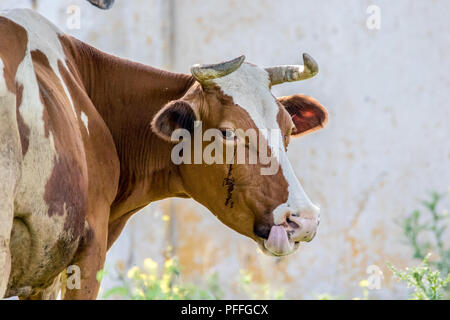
12, 48
24, 131
12, 52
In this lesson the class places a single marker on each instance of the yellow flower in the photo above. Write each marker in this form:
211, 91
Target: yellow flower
142, 276
169, 263
133, 272
150, 265
246, 276
165, 218
364, 283
164, 285
166, 278
149, 279
164, 288
138, 292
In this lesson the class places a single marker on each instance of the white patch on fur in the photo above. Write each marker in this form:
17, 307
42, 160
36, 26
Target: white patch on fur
3, 88
42, 36
85, 120
249, 88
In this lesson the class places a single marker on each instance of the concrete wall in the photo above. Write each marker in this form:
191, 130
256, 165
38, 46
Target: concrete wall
385, 147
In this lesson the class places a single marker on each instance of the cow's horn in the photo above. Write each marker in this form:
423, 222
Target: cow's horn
102, 4
281, 74
205, 72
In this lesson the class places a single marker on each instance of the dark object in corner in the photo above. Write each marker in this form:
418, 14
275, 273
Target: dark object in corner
102, 4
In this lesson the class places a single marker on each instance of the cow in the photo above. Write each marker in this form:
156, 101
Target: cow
86, 142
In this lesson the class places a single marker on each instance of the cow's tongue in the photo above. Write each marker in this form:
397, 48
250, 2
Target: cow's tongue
278, 242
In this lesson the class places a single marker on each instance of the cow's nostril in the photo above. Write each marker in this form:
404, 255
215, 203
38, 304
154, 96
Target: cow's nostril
292, 224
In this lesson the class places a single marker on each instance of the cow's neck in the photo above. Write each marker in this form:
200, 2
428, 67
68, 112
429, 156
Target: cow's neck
127, 95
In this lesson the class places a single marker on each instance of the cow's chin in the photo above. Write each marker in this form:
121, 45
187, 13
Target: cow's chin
278, 243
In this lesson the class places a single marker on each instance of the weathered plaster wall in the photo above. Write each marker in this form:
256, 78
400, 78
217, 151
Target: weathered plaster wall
386, 145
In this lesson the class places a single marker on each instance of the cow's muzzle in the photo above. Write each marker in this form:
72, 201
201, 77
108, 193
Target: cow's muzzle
293, 227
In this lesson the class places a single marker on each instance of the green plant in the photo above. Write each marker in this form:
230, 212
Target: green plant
258, 291
327, 296
416, 225
425, 233
363, 284
427, 284
151, 284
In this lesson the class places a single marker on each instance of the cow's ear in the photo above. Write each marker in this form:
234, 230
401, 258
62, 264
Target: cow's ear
306, 112
177, 114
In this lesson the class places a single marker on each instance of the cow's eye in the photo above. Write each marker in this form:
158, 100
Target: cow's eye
228, 134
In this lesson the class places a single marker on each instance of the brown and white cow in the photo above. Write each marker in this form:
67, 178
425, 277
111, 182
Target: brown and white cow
84, 144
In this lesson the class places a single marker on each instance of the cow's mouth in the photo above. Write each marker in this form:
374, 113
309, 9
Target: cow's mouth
279, 242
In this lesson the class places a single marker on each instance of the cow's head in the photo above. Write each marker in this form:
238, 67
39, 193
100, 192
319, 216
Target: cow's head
261, 200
